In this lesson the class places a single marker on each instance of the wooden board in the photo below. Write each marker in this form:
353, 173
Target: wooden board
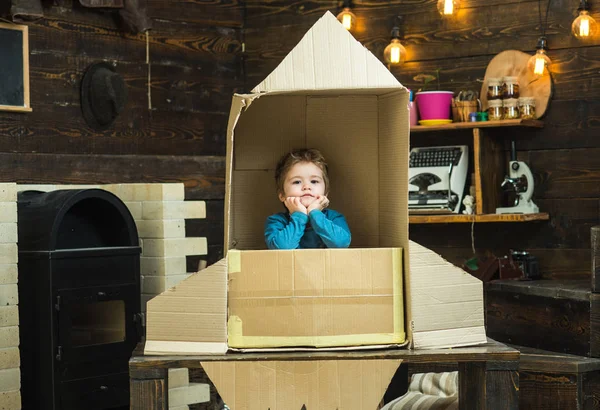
514, 63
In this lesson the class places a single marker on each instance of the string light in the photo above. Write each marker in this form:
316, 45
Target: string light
395, 53
448, 8
539, 63
346, 17
584, 26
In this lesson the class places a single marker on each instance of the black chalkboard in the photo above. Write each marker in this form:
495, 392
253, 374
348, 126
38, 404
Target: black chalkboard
14, 68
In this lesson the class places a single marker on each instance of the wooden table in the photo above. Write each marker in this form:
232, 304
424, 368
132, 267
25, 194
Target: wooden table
488, 374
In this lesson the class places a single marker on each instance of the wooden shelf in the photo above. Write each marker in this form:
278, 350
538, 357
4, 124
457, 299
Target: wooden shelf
481, 124
446, 219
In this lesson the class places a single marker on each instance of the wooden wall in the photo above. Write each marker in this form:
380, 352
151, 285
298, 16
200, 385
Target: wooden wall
176, 132
172, 131
564, 156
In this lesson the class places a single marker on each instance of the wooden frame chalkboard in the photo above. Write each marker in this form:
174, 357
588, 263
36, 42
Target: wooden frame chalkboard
14, 68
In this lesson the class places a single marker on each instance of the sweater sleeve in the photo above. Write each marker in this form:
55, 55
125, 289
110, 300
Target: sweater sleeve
334, 231
281, 233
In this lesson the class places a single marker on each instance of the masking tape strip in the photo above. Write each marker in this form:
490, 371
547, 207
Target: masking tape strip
237, 339
316, 341
398, 294
234, 261
283, 295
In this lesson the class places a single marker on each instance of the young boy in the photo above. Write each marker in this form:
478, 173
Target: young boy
302, 186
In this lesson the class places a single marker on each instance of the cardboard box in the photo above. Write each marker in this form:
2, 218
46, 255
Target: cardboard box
315, 297
332, 94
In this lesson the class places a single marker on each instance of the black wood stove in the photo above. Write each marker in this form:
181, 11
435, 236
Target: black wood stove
79, 299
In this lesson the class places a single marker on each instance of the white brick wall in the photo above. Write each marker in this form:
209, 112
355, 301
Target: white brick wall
10, 375
159, 211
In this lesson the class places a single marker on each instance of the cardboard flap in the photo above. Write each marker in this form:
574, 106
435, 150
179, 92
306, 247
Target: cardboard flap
190, 317
341, 62
311, 384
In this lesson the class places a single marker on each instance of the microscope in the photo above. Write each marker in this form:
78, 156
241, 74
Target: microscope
520, 180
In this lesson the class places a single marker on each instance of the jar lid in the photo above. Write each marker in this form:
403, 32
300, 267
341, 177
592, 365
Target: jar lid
494, 103
510, 102
509, 79
494, 81
527, 100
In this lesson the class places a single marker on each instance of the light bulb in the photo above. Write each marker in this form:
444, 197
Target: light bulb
539, 63
347, 18
584, 26
394, 53
448, 8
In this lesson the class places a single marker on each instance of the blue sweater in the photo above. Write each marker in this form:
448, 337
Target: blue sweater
320, 229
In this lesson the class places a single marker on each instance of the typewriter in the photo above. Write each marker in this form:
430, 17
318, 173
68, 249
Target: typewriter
436, 179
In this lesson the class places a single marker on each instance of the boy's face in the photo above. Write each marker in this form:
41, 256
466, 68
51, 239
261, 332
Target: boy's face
304, 180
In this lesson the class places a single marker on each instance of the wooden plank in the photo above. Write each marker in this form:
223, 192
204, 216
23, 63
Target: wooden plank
595, 325
80, 31
56, 129
476, 125
492, 351
502, 389
225, 13
590, 386
540, 390
565, 289
444, 219
471, 386
572, 173
561, 324
544, 361
149, 394
203, 176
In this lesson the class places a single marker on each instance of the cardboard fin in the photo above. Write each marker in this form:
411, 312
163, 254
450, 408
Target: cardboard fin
190, 317
314, 384
446, 303
341, 62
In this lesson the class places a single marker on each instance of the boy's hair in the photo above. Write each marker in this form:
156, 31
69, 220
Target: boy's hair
296, 156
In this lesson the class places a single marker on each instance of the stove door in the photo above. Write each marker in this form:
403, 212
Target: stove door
97, 324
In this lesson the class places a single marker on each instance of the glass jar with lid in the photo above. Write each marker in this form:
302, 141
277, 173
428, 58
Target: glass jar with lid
527, 108
495, 110
510, 87
495, 89
511, 109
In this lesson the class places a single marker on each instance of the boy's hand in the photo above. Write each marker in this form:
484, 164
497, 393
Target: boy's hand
320, 203
293, 204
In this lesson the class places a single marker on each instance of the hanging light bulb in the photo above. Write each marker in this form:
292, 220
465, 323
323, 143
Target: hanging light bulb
584, 26
346, 17
448, 8
395, 53
539, 62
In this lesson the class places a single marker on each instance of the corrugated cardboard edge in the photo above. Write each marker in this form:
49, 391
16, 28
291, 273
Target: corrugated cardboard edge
237, 339
166, 347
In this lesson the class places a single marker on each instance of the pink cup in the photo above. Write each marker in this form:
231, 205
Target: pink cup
434, 105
